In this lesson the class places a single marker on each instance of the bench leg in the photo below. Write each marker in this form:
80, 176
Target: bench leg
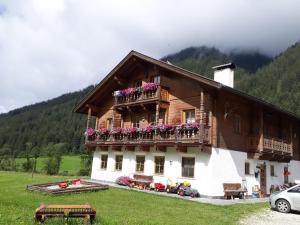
87, 219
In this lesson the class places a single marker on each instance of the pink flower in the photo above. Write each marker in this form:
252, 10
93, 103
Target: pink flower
89, 132
150, 86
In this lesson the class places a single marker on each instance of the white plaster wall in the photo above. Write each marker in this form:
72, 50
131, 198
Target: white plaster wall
294, 168
225, 76
211, 170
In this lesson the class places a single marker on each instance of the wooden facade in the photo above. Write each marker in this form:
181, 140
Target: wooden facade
227, 118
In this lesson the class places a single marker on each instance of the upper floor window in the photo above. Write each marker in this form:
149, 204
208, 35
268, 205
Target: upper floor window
109, 123
119, 161
103, 161
159, 164
155, 79
272, 170
152, 118
140, 162
188, 166
247, 168
237, 124
136, 121
189, 116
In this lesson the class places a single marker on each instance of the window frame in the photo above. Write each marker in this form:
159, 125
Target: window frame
155, 79
102, 161
159, 167
184, 115
272, 170
188, 167
109, 123
141, 164
247, 168
237, 124
118, 164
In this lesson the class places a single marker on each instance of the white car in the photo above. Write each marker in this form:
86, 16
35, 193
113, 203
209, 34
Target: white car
287, 200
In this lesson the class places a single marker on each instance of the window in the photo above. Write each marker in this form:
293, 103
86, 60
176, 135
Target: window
189, 116
155, 79
152, 118
159, 164
103, 161
119, 161
140, 162
109, 123
247, 168
188, 165
136, 121
272, 170
237, 125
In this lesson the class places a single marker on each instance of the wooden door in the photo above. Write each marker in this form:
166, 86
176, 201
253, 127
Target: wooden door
263, 180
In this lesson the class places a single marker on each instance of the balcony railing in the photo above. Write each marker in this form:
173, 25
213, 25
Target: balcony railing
277, 145
188, 136
160, 93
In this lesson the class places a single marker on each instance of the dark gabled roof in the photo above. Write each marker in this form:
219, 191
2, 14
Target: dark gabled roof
82, 105
224, 66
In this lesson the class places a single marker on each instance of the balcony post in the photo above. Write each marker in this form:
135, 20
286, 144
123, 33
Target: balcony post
157, 113
89, 117
261, 130
201, 115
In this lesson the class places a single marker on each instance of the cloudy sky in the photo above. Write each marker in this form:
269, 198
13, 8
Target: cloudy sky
50, 47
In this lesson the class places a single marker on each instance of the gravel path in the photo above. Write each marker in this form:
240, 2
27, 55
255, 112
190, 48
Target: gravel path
270, 217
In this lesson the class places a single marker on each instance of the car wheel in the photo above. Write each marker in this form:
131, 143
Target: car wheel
283, 206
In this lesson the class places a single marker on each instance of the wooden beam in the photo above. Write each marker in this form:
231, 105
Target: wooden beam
161, 148
181, 148
129, 147
116, 147
103, 148
145, 148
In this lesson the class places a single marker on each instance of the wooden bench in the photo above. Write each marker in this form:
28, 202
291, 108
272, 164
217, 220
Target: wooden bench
233, 190
67, 211
142, 179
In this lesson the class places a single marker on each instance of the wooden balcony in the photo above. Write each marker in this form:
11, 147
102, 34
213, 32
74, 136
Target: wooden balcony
273, 149
174, 138
159, 94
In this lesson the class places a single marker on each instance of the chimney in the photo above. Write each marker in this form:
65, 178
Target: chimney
224, 74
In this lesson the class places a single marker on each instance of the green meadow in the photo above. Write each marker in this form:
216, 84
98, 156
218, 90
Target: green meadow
114, 206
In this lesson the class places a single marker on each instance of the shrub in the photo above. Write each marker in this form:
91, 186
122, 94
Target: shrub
52, 165
84, 172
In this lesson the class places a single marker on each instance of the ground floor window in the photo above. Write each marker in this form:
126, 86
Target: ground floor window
188, 166
159, 164
247, 168
104, 161
119, 161
140, 162
272, 170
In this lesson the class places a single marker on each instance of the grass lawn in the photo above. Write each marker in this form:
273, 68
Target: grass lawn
114, 206
68, 163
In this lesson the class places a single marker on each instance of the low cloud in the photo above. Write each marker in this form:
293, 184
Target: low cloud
50, 47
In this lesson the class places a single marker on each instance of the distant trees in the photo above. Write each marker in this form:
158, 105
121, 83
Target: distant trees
86, 164
7, 158
52, 121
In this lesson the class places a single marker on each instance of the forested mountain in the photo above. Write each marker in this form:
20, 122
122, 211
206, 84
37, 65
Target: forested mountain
275, 80
46, 122
202, 59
